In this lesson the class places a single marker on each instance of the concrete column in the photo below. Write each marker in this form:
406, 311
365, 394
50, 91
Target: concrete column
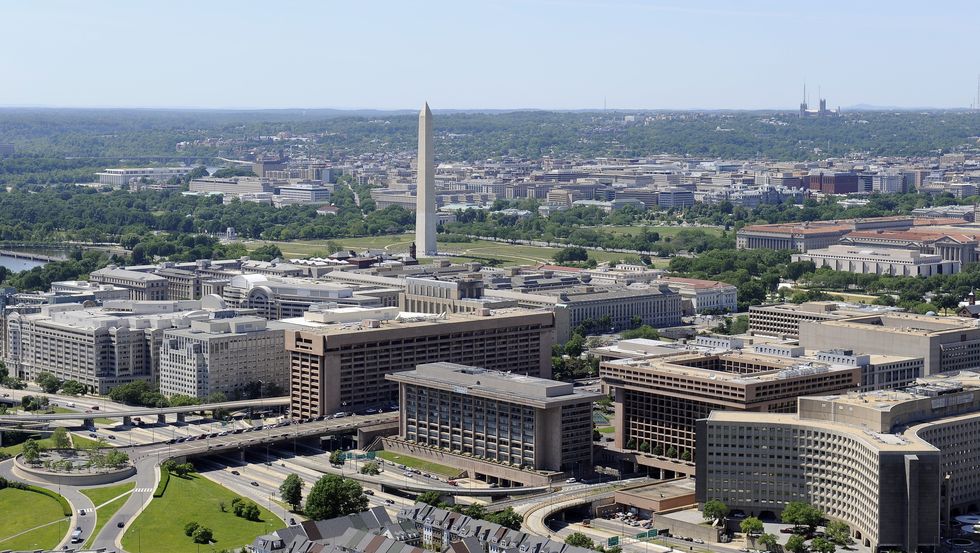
89, 423
181, 417
162, 418
127, 421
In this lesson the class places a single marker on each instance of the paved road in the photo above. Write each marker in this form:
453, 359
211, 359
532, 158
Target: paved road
75, 498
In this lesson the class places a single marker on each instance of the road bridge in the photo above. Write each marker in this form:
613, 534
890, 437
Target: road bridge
159, 412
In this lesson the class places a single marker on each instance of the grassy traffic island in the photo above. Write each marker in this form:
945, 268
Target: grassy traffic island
193, 498
107, 500
30, 520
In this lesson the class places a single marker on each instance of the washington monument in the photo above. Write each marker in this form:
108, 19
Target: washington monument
425, 199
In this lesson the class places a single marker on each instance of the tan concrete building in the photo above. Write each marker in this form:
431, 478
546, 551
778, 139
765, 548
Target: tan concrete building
141, 286
99, 347
342, 366
658, 400
516, 420
945, 343
223, 355
896, 466
783, 319
882, 261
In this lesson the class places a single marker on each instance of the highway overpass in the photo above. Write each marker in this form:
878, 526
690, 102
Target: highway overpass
159, 412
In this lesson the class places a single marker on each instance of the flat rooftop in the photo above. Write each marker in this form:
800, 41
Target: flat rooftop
947, 384
907, 323
877, 440
415, 320
514, 388
768, 367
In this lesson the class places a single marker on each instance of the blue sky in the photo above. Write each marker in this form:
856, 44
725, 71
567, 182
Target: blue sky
560, 54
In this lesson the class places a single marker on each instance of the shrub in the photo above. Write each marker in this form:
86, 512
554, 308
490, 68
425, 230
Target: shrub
190, 528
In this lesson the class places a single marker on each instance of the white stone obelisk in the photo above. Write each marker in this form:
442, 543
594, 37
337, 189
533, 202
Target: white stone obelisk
425, 199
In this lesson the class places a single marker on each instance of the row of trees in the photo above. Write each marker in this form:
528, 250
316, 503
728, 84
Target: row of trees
804, 517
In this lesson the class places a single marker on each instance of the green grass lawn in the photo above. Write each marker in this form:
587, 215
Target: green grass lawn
82, 442
100, 496
606, 429
103, 494
160, 528
16, 449
482, 251
23, 510
424, 466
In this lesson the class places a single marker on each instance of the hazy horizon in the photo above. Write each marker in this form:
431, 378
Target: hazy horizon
559, 55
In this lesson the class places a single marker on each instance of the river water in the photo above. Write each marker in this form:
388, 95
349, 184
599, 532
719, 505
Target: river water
15, 264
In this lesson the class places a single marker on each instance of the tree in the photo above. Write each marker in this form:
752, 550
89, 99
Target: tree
769, 541
190, 527
291, 491
430, 498
371, 468
202, 535
822, 545
266, 252
48, 382
508, 518
643, 331
715, 509
796, 543
337, 457
245, 509
333, 496
72, 388
574, 253
578, 539
838, 532
798, 513
751, 526
32, 451
60, 438
672, 452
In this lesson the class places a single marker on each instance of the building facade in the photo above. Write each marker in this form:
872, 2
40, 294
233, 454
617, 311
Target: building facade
223, 354
141, 286
338, 366
519, 420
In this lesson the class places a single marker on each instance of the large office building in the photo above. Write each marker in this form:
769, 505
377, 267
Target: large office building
341, 359
224, 353
232, 186
945, 343
141, 286
99, 292
809, 235
496, 417
99, 347
658, 400
895, 466
121, 177
882, 261
281, 298
703, 296
783, 319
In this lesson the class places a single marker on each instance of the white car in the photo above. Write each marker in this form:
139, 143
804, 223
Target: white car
571, 481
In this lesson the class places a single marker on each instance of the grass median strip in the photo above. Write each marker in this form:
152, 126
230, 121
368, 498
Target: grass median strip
160, 528
105, 508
